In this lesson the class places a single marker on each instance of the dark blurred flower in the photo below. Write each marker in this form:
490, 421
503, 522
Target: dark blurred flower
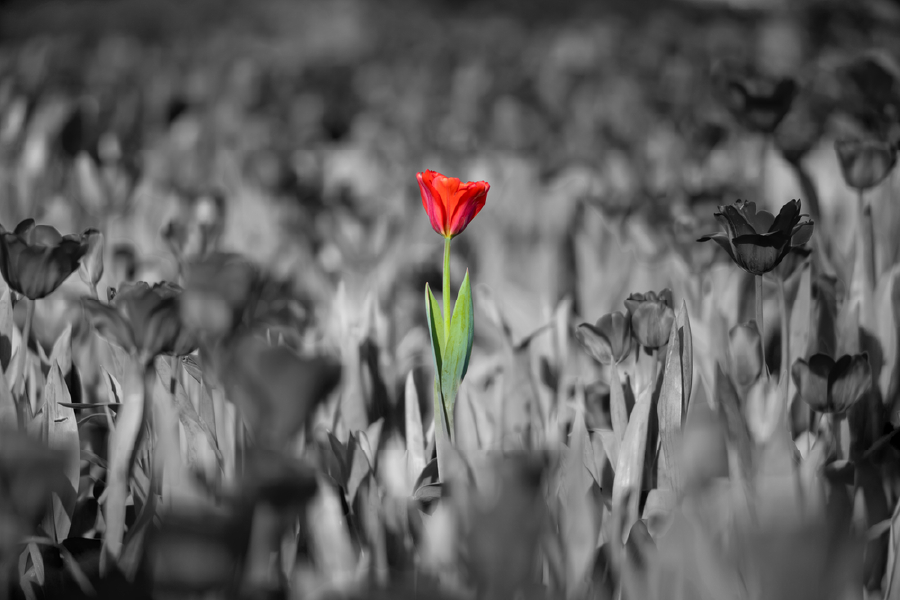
198, 549
758, 102
451, 205
143, 319
218, 289
609, 341
801, 129
652, 316
869, 90
865, 163
92, 262
276, 479
29, 473
758, 241
833, 387
275, 388
745, 348
36, 259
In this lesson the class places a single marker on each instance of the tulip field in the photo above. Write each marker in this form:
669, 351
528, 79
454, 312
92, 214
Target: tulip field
351, 300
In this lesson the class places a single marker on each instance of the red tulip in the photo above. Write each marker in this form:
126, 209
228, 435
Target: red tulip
451, 204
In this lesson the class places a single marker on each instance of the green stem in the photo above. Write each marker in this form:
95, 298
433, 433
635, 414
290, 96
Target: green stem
785, 344
759, 318
23, 349
867, 241
763, 152
446, 288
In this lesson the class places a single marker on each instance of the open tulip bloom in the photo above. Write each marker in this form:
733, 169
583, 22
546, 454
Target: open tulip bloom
451, 205
758, 241
143, 319
36, 259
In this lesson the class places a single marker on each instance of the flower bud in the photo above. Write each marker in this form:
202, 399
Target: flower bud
609, 341
745, 348
652, 317
865, 163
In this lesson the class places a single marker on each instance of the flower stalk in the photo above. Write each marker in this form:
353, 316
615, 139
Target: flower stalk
448, 313
23, 349
866, 240
450, 205
759, 319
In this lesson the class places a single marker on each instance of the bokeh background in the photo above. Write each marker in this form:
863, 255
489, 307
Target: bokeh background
601, 127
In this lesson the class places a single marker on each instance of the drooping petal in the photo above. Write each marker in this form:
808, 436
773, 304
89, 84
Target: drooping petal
722, 240
802, 233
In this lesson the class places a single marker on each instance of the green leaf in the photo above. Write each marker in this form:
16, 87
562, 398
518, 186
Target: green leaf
62, 435
415, 437
435, 328
676, 391
436, 316
630, 465
6, 327
457, 348
62, 351
433, 312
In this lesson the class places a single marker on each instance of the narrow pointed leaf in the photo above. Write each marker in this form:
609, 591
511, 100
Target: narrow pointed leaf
630, 468
437, 316
122, 448
62, 351
617, 407
6, 327
457, 349
675, 392
415, 437
432, 311
9, 416
62, 434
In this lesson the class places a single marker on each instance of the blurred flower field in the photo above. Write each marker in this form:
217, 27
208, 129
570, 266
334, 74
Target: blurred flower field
237, 360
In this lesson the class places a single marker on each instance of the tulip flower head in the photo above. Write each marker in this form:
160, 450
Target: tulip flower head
757, 101
652, 316
865, 163
219, 288
609, 341
451, 204
36, 259
143, 319
833, 387
759, 241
